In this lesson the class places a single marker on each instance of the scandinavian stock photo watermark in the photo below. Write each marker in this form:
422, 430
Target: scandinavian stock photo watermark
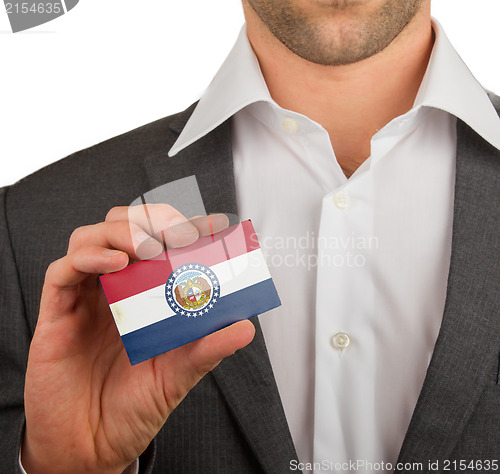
308, 250
312, 251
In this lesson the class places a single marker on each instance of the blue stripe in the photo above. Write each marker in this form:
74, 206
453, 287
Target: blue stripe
178, 330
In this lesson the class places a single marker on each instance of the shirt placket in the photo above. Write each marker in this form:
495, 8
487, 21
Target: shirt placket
343, 310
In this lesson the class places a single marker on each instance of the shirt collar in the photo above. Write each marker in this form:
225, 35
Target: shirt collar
238, 83
447, 85
450, 86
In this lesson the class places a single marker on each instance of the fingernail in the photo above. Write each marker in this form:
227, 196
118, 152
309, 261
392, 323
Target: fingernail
111, 253
142, 237
147, 247
182, 226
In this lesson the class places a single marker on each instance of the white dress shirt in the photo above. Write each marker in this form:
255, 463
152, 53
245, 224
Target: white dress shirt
360, 264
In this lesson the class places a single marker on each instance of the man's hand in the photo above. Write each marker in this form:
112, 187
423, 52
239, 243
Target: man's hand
87, 408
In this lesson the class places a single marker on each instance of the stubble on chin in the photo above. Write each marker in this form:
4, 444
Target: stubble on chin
346, 33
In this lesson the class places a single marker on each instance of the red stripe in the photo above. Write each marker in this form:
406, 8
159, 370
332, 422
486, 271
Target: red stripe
209, 250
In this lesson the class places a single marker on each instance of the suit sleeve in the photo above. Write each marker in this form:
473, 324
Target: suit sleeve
15, 338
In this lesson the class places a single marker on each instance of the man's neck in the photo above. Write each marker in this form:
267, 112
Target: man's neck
351, 102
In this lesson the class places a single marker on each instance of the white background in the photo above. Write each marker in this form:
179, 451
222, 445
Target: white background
109, 66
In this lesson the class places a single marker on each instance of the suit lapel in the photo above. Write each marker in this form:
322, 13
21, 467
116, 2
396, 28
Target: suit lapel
209, 159
248, 385
466, 346
246, 379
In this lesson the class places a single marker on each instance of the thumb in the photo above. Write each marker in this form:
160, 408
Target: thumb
210, 350
182, 368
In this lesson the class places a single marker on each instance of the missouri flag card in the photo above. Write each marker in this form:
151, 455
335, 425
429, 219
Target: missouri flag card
184, 294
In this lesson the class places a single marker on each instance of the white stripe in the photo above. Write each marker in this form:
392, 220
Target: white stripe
150, 306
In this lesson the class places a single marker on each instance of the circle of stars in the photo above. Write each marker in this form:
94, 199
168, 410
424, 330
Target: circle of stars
169, 289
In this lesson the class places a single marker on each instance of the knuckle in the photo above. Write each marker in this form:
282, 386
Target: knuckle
123, 230
131, 228
81, 236
77, 235
160, 208
52, 270
112, 213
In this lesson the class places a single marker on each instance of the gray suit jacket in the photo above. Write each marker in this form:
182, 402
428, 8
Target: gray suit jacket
233, 420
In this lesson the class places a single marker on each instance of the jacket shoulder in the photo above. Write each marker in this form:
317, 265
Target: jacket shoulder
123, 150
495, 100
41, 210
107, 174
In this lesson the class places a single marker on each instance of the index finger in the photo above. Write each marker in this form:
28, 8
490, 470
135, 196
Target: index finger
161, 221
167, 224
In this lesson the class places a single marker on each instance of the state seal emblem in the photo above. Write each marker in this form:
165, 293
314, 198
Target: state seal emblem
192, 290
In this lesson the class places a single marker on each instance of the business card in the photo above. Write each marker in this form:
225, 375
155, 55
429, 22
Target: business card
186, 293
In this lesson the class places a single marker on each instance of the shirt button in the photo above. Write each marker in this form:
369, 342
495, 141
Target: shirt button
290, 125
340, 341
341, 200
